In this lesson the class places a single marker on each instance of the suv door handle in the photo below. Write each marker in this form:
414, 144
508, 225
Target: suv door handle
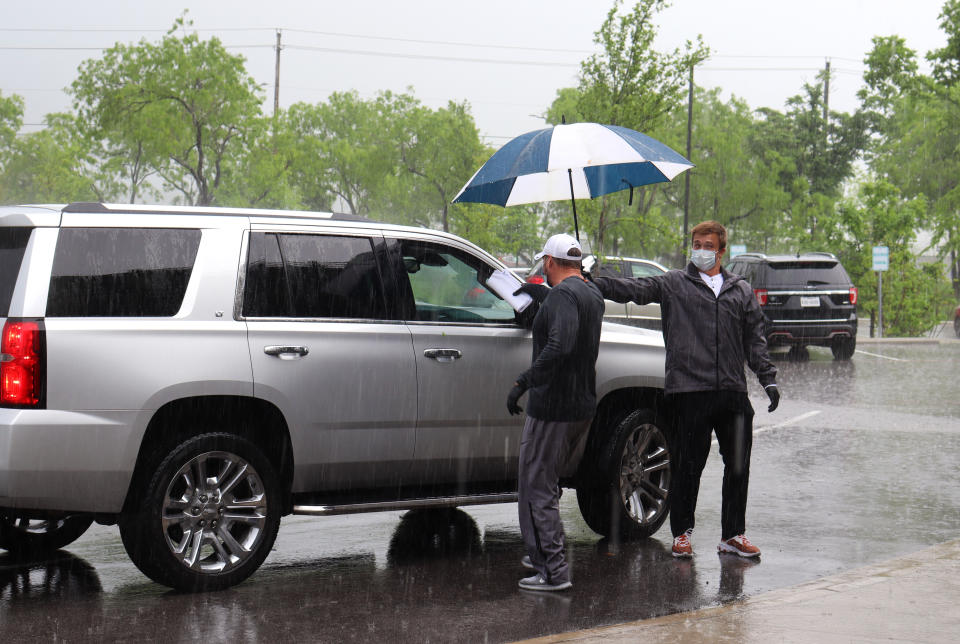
443, 355
286, 352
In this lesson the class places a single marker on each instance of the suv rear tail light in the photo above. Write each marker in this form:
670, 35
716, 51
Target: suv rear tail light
761, 294
535, 279
853, 295
22, 363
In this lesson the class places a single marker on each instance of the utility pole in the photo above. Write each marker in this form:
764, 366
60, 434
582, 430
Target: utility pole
276, 79
686, 175
826, 94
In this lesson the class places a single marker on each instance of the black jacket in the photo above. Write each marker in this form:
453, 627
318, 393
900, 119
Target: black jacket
566, 340
708, 338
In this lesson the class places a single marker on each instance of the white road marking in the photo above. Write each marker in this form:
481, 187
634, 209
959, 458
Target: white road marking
877, 355
790, 421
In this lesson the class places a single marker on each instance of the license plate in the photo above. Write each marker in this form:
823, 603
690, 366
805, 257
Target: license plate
809, 301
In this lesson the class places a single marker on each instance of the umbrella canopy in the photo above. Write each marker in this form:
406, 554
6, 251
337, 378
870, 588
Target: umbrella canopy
576, 161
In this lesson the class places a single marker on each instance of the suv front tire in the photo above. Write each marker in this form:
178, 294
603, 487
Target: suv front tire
623, 491
208, 517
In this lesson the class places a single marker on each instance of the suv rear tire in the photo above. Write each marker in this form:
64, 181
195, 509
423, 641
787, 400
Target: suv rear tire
843, 348
208, 517
22, 536
624, 490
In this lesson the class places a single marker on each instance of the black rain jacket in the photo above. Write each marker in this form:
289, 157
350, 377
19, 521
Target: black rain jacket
708, 338
566, 340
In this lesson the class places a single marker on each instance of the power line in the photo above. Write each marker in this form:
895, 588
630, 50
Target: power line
458, 59
440, 42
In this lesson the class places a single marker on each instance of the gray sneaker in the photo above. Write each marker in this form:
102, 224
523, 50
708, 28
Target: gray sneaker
526, 563
537, 582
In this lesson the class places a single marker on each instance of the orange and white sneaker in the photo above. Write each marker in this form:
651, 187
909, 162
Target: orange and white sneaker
738, 545
681, 545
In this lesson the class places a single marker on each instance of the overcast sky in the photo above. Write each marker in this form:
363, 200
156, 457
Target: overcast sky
507, 58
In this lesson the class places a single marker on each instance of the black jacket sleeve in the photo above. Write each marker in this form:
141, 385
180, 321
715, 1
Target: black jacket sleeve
755, 341
641, 290
563, 320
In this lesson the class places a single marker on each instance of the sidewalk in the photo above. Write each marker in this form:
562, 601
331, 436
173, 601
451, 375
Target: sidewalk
941, 334
911, 599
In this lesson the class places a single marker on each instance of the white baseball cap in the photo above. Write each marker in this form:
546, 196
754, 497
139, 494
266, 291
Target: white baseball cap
559, 246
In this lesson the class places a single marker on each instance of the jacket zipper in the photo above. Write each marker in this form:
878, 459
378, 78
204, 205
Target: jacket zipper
716, 344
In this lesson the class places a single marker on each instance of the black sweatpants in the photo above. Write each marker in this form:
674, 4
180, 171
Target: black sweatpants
549, 449
696, 415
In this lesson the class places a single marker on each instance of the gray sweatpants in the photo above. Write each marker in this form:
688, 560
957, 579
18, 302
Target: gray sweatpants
548, 450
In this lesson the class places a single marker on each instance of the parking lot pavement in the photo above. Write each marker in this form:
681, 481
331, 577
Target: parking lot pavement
909, 599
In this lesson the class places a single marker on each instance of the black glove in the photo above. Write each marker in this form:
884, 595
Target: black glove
513, 397
538, 292
774, 394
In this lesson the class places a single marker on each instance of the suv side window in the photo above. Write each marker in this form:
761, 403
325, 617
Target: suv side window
13, 243
448, 285
121, 272
299, 275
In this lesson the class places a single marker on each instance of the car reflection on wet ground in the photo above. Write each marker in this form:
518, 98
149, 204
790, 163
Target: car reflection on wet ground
857, 466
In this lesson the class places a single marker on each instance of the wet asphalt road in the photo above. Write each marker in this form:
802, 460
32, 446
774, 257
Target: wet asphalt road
857, 466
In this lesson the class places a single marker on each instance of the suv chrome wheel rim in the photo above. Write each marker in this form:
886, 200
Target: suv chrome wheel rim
214, 512
645, 474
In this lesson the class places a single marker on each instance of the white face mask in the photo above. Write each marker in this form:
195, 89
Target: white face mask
703, 259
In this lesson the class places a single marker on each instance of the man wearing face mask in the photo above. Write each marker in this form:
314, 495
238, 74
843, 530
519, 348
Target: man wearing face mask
712, 324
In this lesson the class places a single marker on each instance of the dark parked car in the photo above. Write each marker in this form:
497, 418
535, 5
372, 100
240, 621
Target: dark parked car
807, 299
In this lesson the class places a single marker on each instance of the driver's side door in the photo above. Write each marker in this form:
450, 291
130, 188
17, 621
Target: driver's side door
469, 349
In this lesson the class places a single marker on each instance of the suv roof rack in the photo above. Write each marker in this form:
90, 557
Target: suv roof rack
757, 255
95, 206
820, 252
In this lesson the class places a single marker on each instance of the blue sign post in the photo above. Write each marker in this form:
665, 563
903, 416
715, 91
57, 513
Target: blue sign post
881, 262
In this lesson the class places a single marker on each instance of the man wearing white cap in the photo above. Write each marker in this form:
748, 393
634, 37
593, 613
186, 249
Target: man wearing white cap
560, 405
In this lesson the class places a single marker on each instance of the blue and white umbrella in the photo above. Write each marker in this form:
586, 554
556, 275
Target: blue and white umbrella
575, 161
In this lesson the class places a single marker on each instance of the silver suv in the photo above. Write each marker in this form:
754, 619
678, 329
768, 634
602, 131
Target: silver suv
195, 374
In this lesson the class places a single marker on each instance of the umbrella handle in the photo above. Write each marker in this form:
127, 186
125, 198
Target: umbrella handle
629, 203
576, 226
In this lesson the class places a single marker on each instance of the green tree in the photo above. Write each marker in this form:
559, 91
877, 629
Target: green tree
814, 154
916, 134
260, 173
49, 166
915, 296
735, 182
11, 120
439, 149
350, 148
180, 108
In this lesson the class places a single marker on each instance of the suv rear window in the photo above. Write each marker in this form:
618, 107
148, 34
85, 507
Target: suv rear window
13, 243
121, 272
805, 273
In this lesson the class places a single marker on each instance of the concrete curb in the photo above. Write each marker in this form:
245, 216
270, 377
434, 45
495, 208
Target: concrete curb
912, 597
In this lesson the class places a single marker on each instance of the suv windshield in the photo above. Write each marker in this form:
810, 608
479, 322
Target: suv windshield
13, 243
805, 273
